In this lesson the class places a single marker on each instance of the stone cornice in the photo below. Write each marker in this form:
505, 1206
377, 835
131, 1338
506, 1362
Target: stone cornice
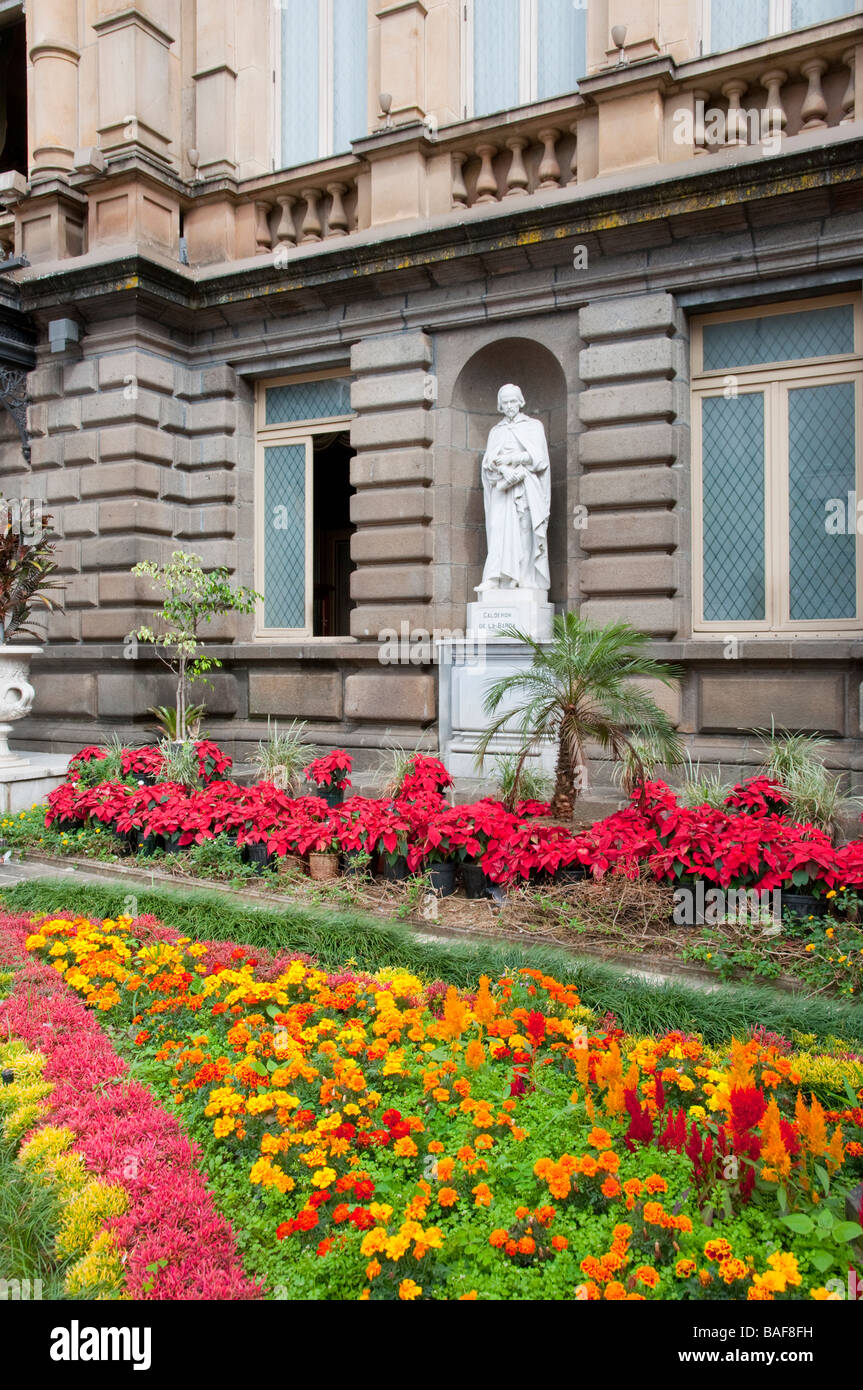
565, 217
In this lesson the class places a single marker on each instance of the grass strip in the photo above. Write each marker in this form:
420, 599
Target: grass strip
343, 937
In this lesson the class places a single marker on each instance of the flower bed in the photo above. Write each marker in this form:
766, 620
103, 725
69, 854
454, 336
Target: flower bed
748, 844
382, 1138
136, 1209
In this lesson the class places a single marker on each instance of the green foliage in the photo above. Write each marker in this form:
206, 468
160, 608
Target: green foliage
181, 763
514, 781
281, 757
585, 686
166, 720
703, 789
28, 574
192, 596
816, 795
336, 936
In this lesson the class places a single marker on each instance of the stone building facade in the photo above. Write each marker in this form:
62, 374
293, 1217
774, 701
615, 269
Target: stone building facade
268, 264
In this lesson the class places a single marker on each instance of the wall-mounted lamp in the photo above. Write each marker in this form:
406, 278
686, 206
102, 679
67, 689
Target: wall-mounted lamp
618, 38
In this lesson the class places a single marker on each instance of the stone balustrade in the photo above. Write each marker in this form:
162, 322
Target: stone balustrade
780, 88
319, 205
515, 155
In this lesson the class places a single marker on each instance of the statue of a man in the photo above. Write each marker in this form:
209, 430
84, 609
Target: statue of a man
516, 480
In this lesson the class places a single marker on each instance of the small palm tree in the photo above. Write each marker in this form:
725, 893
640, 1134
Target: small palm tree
582, 687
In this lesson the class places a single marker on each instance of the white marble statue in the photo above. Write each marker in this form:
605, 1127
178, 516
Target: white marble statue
516, 479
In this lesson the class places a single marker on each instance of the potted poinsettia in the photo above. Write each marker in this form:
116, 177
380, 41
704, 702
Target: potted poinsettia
27, 575
330, 776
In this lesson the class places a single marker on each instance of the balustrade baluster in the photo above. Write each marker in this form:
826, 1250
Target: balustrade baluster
263, 240
814, 110
312, 226
735, 121
849, 100
286, 234
516, 179
573, 163
773, 82
486, 184
337, 222
459, 187
700, 98
549, 169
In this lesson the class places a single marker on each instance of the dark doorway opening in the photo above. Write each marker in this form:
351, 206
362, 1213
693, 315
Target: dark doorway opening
333, 566
13, 98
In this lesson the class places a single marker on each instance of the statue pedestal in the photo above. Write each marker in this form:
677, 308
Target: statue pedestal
527, 609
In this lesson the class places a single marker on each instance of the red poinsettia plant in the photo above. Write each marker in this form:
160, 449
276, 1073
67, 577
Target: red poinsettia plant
333, 770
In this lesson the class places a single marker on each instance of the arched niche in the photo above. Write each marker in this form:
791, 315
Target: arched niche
473, 407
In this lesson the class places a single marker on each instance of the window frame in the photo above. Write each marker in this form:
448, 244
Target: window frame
778, 22
267, 436
528, 59
774, 380
326, 87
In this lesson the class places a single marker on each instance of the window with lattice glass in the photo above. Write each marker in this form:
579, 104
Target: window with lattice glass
776, 469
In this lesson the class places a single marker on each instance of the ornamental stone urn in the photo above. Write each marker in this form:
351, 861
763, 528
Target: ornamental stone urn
16, 695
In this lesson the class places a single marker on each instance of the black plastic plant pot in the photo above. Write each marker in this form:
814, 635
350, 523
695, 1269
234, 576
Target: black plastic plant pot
258, 856
803, 905
397, 871
150, 843
171, 843
570, 873
474, 881
65, 826
332, 795
442, 878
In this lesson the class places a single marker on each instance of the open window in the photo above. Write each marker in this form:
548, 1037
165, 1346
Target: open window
303, 529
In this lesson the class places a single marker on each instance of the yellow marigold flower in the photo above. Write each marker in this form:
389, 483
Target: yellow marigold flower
408, 1290
323, 1177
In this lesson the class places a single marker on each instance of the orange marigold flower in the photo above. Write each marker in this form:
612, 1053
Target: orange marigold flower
526, 1245
408, 1290
599, 1138
647, 1275
498, 1238
482, 1193
447, 1197
684, 1268
610, 1188
655, 1184
559, 1243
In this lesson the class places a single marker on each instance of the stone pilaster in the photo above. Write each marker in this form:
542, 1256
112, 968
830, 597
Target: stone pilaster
393, 508
632, 367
